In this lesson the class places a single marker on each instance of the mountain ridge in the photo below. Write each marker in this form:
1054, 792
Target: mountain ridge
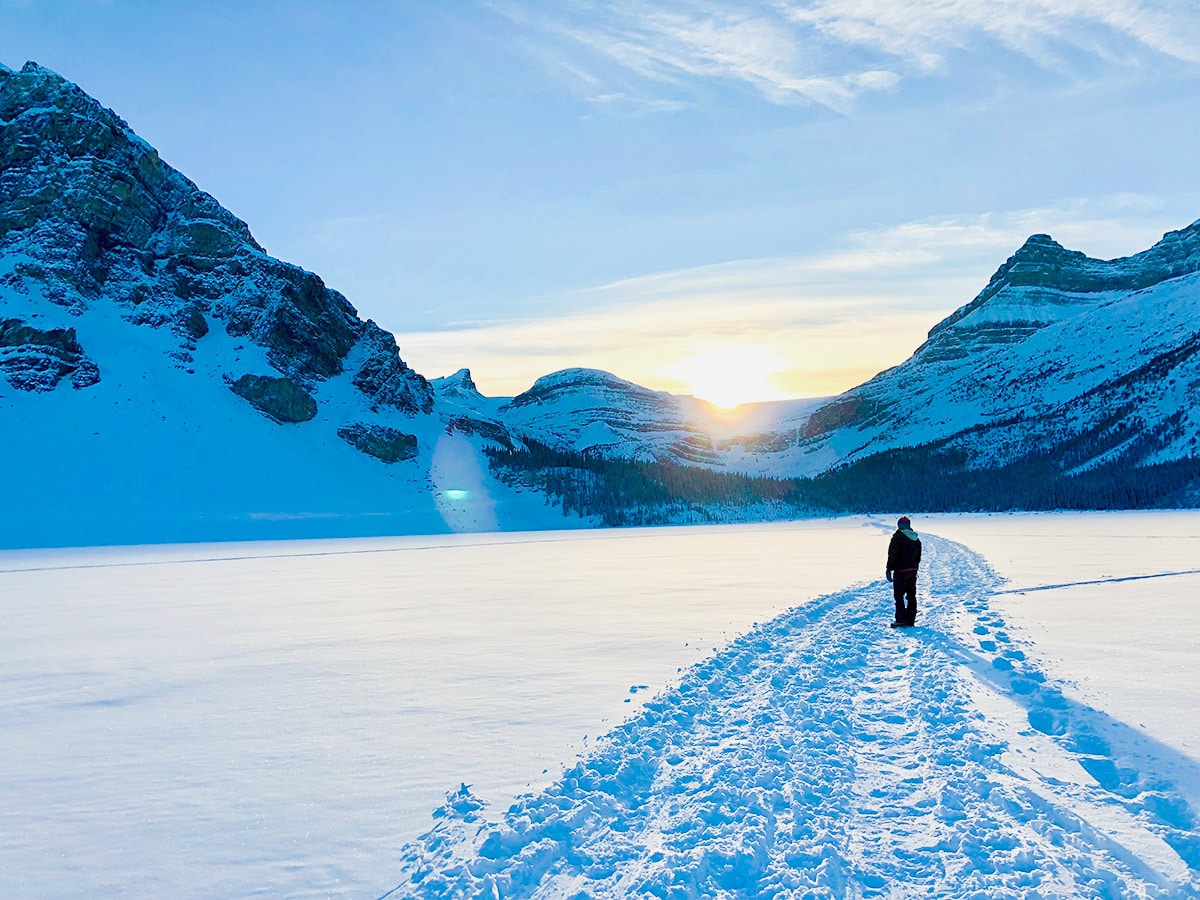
1176, 254
93, 202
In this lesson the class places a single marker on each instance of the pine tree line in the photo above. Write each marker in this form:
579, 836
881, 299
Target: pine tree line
932, 478
632, 492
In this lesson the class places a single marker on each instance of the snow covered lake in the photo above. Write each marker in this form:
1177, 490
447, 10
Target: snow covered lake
282, 719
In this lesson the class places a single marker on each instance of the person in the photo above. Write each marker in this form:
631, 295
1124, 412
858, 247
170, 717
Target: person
904, 558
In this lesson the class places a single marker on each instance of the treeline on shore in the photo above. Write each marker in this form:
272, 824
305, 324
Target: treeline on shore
923, 479
634, 492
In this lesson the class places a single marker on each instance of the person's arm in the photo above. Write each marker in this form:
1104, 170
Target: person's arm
891, 560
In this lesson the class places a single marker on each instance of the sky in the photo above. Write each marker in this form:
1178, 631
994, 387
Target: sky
745, 201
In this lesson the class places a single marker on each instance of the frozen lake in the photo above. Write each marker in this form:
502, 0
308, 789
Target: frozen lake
281, 719
232, 719
1110, 601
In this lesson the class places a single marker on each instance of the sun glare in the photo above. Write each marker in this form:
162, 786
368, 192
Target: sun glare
730, 376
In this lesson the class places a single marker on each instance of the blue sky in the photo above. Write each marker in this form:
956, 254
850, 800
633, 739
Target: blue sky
746, 199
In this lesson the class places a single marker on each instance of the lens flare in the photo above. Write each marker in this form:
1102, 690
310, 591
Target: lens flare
728, 376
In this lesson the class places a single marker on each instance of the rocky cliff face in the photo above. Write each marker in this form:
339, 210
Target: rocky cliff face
1043, 283
89, 214
1044, 263
36, 360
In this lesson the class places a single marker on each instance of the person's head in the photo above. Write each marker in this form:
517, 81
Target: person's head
903, 522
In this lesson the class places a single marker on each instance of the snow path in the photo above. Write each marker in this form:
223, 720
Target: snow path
826, 755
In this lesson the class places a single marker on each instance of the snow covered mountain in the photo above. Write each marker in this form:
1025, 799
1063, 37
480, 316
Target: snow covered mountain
1089, 362
586, 410
593, 412
1068, 381
1062, 363
163, 378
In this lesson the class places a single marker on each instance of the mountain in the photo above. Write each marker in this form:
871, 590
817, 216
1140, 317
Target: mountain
593, 412
1066, 382
163, 378
587, 410
1076, 363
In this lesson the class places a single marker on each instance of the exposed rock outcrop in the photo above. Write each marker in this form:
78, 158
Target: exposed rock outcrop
387, 444
36, 360
484, 428
1046, 282
386, 379
279, 399
458, 387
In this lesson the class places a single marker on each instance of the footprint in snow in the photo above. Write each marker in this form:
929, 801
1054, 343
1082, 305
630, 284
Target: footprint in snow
765, 772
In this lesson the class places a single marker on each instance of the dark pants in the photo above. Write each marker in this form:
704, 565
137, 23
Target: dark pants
904, 586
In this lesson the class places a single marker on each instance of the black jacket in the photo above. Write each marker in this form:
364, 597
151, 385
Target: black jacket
904, 552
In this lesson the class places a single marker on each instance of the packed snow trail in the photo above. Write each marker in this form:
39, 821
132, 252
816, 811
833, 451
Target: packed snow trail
826, 755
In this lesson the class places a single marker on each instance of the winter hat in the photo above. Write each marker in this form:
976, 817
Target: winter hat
904, 523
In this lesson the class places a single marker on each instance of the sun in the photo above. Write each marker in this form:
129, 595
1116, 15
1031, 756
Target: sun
731, 375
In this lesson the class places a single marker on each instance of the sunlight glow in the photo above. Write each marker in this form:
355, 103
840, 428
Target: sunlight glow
730, 375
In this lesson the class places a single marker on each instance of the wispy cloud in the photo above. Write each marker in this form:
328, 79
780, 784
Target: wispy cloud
827, 321
924, 32
830, 52
680, 44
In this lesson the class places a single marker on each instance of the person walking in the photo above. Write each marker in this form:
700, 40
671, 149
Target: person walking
904, 558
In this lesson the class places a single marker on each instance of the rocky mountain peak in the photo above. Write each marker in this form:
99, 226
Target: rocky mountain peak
1043, 282
461, 380
460, 390
67, 160
89, 214
1040, 262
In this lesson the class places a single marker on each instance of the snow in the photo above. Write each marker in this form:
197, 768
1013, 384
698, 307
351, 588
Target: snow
165, 452
1106, 608
1064, 371
598, 434
281, 719
821, 755
469, 498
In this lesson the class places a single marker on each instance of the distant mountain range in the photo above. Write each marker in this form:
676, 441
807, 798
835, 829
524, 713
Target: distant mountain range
162, 378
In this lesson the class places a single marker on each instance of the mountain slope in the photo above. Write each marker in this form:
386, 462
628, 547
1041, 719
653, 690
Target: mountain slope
1059, 351
163, 378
